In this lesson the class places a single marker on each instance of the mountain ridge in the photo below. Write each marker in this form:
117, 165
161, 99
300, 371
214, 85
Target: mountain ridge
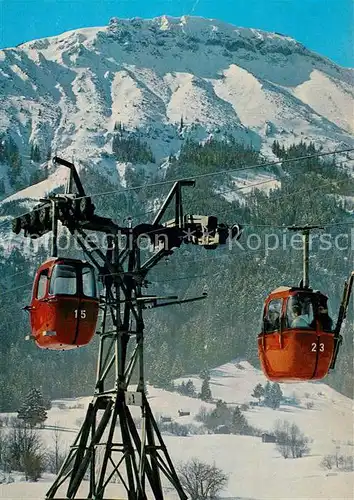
66, 93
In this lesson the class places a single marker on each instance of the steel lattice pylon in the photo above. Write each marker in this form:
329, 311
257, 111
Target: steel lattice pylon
137, 458
134, 458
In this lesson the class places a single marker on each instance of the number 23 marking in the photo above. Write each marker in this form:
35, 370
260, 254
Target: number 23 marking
314, 347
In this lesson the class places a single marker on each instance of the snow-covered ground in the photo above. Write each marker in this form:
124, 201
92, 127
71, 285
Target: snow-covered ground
256, 470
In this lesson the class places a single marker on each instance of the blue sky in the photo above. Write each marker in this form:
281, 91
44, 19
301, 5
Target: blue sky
325, 26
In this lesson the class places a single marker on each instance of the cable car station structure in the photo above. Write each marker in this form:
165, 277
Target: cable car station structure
137, 459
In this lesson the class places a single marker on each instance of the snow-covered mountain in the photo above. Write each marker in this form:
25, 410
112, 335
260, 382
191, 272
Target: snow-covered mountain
66, 93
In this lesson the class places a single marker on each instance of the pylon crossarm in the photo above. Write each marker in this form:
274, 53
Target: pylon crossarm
176, 191
73, 173
155, 259
117, 273
153, 298
87, 252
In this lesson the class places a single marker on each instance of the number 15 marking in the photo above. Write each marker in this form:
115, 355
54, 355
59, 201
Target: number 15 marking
82, 313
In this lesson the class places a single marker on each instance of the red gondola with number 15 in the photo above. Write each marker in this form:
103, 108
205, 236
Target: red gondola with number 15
64, 306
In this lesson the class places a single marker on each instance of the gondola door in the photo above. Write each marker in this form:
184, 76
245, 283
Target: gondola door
87, 311
41, 319
65, 302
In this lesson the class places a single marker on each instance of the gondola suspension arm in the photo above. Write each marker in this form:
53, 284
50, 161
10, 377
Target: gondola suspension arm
343, 309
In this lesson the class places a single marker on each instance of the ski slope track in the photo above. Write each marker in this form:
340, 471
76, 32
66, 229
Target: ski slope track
67, 92
256, 470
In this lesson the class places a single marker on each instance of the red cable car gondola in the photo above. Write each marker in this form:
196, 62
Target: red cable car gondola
64, 305
297, 341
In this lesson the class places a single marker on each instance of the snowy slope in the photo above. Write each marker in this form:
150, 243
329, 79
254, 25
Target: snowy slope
256, 470
65, 93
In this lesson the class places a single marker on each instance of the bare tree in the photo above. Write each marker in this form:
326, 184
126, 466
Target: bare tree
290, 440
24, 451
328, 462
56, 439
200, 480
202, 414
282, 432
338, 461
55, 457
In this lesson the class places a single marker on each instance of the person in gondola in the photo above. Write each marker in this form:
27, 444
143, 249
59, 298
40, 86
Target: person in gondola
272, 320
298, 321
325, 321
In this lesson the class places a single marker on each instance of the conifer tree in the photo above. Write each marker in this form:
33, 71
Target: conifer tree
273, 395
258, 392
239, 423
181, 125
276, 148
161, 374
221, 415
205, 392
33, 409
277, 395
187, 389
190, 389
177, 368
35, 153
2, 187
15, 166
2, 148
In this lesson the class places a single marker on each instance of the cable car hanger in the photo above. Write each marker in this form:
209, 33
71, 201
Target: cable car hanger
298, 340
306, 256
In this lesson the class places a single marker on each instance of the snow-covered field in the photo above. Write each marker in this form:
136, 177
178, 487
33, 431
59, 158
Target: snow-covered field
256, 470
